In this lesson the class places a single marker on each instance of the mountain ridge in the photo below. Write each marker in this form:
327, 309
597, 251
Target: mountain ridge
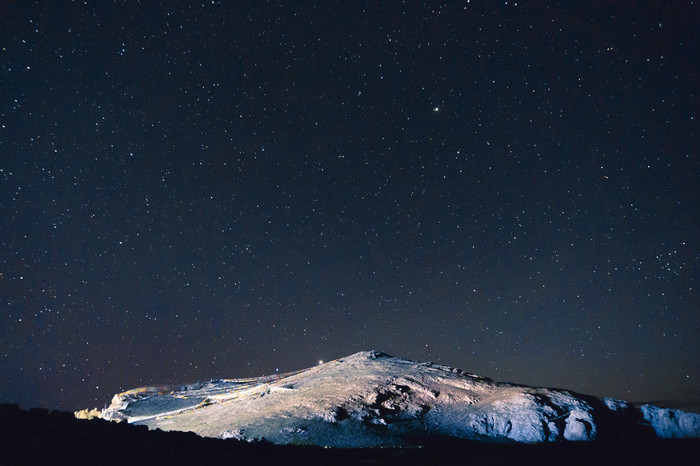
371, 399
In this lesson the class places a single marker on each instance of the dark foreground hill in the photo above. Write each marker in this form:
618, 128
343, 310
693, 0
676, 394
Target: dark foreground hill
38, 436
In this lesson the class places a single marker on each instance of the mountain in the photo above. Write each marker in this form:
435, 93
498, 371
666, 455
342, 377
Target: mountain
371, 399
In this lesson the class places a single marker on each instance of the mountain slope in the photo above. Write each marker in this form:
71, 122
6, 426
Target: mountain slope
372, 399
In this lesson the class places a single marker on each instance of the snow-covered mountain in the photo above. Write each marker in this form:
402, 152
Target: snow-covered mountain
372, 399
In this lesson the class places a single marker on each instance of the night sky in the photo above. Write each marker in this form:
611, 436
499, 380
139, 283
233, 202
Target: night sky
220, 190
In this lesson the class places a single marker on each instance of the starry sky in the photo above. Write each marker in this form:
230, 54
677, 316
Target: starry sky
217, 190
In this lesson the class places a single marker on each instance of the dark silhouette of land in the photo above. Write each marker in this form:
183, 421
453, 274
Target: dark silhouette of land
38, 436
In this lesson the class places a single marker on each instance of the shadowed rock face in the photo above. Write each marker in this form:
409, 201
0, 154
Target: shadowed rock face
372, 399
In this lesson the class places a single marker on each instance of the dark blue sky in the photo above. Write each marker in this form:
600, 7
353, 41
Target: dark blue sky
216, 190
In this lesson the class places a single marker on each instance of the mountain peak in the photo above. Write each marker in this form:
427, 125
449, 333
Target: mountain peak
373, 399
374, 354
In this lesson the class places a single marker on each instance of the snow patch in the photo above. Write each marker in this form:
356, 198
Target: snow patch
671, 423
615, 405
